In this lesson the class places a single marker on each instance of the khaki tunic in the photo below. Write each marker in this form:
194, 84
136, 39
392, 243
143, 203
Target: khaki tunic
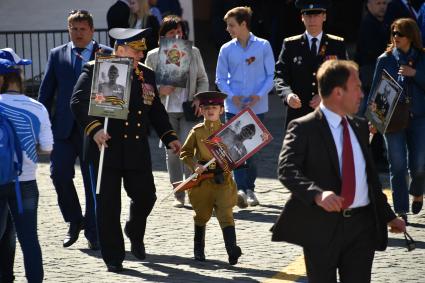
208, 195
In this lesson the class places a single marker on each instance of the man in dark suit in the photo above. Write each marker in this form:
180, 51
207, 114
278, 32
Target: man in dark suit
127, 155
117, 17
61, 73
337, 211
301, 56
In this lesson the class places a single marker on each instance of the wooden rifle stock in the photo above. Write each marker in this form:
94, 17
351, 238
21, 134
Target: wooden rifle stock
194, 182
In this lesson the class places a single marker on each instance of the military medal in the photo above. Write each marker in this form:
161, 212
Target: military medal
148, 93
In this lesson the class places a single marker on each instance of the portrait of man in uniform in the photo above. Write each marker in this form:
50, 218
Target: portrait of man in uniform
235, 140
112, 88
238, 139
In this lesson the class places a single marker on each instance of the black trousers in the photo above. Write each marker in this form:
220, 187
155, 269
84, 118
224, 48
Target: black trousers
140, 187
351, 252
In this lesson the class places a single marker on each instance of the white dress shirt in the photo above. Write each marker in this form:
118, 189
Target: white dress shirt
310, 37
361, 197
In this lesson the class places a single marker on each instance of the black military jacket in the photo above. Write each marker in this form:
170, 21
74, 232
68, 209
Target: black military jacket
128, 147
296, 68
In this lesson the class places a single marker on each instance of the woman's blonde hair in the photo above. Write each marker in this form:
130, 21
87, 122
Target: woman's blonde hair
142, 13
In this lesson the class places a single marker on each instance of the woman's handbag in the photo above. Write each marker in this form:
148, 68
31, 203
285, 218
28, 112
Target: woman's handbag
189, 111
400, 118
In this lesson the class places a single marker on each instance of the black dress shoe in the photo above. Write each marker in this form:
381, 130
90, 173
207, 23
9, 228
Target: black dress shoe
417, 206
138, 250
93, 245
114, 267
73, 233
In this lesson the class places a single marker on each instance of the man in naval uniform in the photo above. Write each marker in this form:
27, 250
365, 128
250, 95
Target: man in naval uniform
300, 58
127, 156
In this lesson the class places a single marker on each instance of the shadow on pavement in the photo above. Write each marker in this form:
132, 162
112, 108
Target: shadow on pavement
256, 215
400, 242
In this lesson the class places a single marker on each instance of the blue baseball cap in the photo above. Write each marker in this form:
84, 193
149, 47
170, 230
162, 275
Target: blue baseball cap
7, 66
9, 54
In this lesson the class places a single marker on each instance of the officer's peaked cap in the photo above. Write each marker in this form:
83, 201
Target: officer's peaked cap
312, 6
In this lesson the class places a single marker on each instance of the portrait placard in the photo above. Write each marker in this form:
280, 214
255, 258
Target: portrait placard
111, 86
240, 138
173, 61
383, 101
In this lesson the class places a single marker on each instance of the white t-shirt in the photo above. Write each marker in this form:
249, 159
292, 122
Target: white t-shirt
176, 99
32, 124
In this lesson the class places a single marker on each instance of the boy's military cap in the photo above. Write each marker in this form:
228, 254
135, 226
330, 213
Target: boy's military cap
135, 38
211, 98
312, 6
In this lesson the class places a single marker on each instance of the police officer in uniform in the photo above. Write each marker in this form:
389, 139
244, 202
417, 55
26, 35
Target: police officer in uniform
127, 156
218, 193
300, 58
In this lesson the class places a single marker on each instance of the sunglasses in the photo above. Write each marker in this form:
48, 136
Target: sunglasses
397, 33
72, 12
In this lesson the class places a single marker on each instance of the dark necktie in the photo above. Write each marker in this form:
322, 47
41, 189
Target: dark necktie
78, 61
313, 48
348, 189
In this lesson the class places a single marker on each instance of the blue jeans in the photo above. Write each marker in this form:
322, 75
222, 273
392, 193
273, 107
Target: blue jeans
26, 228
245, 177
406, 154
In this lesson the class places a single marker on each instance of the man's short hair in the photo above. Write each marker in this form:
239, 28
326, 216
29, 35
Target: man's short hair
241, 14
332, 74
113, 67
80, 16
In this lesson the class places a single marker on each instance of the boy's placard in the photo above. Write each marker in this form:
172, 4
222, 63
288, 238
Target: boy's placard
240, 138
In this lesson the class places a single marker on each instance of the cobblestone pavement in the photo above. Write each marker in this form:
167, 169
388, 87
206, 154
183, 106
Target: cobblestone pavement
169, 237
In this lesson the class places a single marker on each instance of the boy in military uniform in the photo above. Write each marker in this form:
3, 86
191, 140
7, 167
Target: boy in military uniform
218, 193
127, 156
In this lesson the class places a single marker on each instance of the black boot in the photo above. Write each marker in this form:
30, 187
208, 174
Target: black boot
199, 243
135, 231
232, 249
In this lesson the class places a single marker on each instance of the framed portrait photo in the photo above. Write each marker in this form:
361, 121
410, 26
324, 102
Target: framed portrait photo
111, 86
238, 140
383, 101
174, 59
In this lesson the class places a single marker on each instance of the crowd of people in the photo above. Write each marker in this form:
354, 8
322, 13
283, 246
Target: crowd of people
339, 199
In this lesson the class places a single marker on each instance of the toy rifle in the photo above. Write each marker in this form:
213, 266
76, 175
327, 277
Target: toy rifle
188, 180
192, 183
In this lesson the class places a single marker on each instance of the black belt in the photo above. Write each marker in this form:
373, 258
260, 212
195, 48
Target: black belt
349, 212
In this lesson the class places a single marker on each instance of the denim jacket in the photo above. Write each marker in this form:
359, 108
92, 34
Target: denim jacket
413, 86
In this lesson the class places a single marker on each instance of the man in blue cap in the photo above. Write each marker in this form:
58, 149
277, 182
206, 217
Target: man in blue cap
7, 229
31, 124
62, 71
301, 56
127, 156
